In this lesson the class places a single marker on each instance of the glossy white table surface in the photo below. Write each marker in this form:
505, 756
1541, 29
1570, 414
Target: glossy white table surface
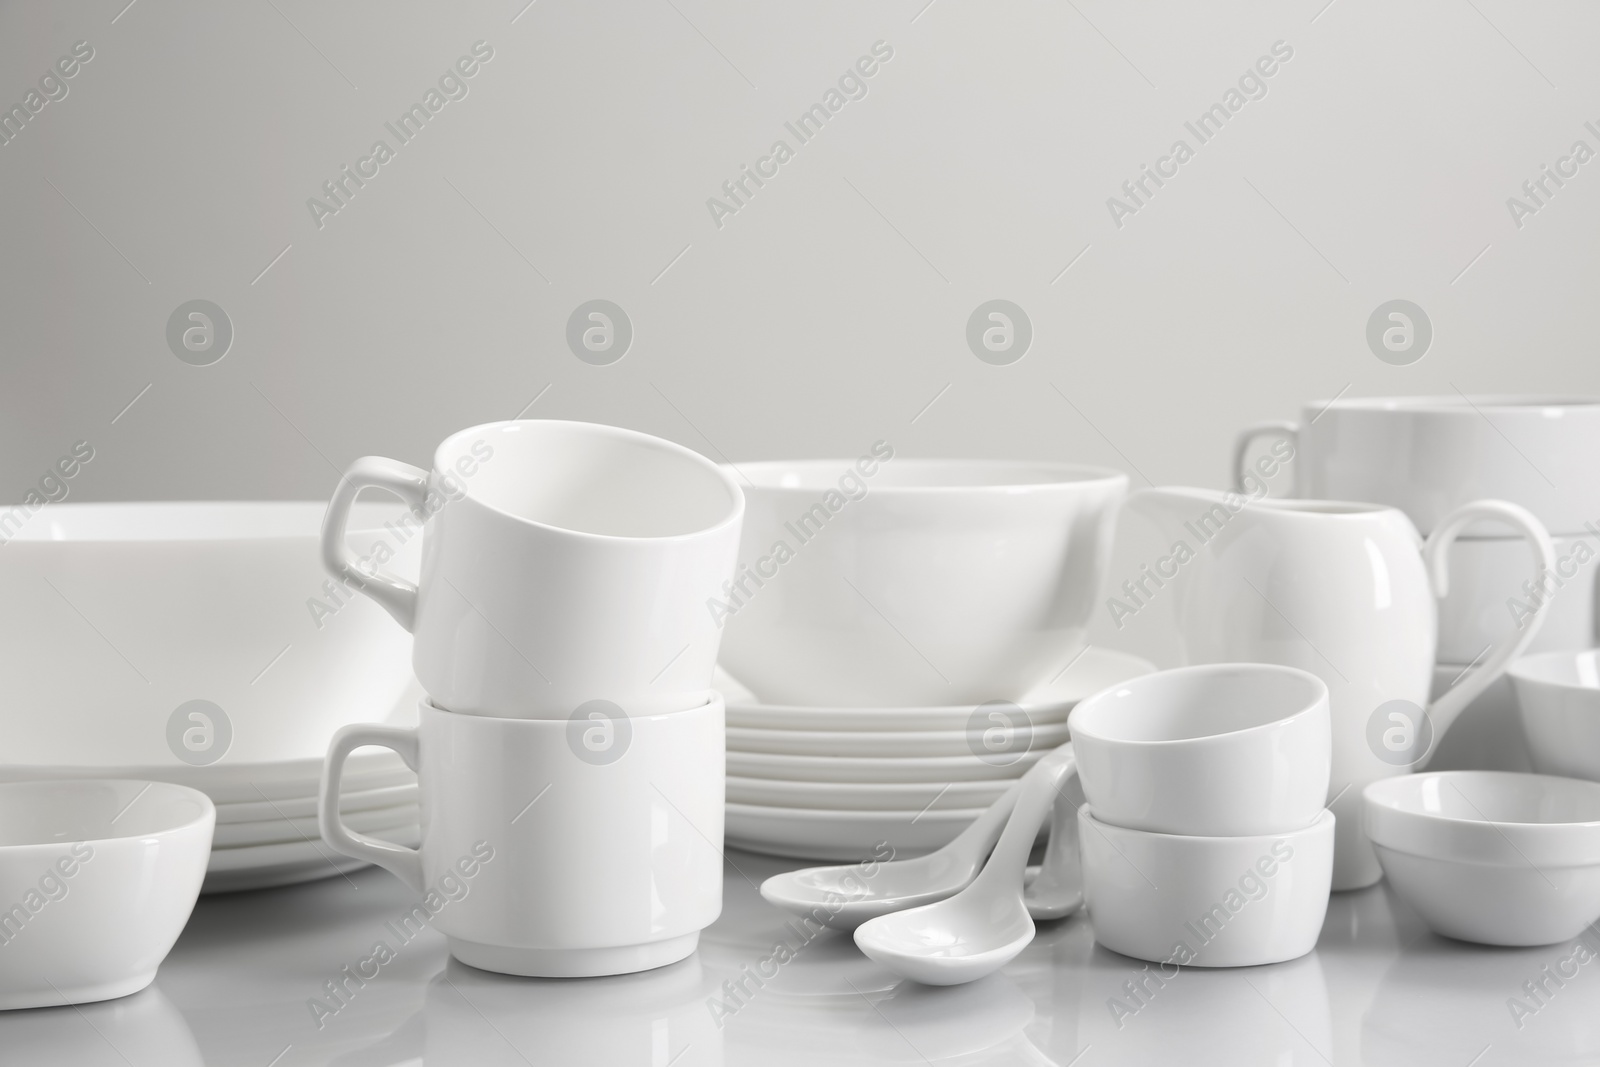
1378, 989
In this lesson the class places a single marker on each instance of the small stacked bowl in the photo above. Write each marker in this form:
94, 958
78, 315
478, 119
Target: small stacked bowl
914, 632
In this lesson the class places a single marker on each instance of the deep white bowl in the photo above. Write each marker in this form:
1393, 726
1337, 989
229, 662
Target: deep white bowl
915, 581
1491, 856
1558, 699
97, 879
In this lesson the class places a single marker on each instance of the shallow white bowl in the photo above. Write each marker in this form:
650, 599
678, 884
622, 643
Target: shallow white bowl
97, 879
1228, 901
1558, 700
1490, 856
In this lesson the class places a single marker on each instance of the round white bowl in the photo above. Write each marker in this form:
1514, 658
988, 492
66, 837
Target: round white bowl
1219, 750
1491, 856
916, 581
1558, 700
1206, 901
97, 879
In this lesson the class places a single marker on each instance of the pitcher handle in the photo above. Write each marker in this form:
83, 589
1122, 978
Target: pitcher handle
1248, 436
1436, 556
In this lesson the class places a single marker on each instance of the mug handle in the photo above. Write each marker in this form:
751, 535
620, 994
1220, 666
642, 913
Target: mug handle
1247, 437
1436, 557
410, 484
405, 863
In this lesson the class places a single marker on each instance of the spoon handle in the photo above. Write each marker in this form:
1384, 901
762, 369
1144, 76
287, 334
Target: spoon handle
1008, 863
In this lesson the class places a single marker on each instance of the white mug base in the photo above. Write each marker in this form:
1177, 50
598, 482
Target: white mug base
574, 962
55, 997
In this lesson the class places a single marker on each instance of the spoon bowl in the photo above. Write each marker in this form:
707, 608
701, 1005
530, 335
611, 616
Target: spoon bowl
845, 896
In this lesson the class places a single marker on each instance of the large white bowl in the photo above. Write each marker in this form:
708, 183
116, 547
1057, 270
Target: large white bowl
1558, 698
117, 614
915, 581
1490, 856
97, 879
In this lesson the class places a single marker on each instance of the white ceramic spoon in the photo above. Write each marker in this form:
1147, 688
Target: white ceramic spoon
985, 926
846, 896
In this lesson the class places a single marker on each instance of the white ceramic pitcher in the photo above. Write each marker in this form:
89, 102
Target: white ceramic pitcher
1339, 589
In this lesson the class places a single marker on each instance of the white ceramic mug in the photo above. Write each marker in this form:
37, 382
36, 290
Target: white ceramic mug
556, 848
1183, 901
1225, 750
894, 582
1428, 455
563, 562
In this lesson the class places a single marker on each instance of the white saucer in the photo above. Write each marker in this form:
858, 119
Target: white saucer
892, 743
841, 835
845, 796
857, 769
1094, 670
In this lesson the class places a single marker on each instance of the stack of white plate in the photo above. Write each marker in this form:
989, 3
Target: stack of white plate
203, 644
844, 783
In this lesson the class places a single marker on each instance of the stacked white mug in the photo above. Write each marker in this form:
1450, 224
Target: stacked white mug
1205, 839
570, 754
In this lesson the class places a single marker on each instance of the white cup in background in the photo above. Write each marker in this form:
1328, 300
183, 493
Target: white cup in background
1428, 455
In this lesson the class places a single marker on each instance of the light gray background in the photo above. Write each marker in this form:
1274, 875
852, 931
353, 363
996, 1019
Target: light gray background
832, 309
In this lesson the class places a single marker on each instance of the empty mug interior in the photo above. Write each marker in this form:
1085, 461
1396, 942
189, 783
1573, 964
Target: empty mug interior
1189, 703
590, 479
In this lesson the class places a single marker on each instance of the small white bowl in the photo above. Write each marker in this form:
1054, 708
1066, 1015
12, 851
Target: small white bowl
1491, 856
1558, 697
97, 879
1206, 901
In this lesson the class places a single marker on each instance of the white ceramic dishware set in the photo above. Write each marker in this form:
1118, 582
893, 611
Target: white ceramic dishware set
570, 747
912, 634
1204, 840
1483, 855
